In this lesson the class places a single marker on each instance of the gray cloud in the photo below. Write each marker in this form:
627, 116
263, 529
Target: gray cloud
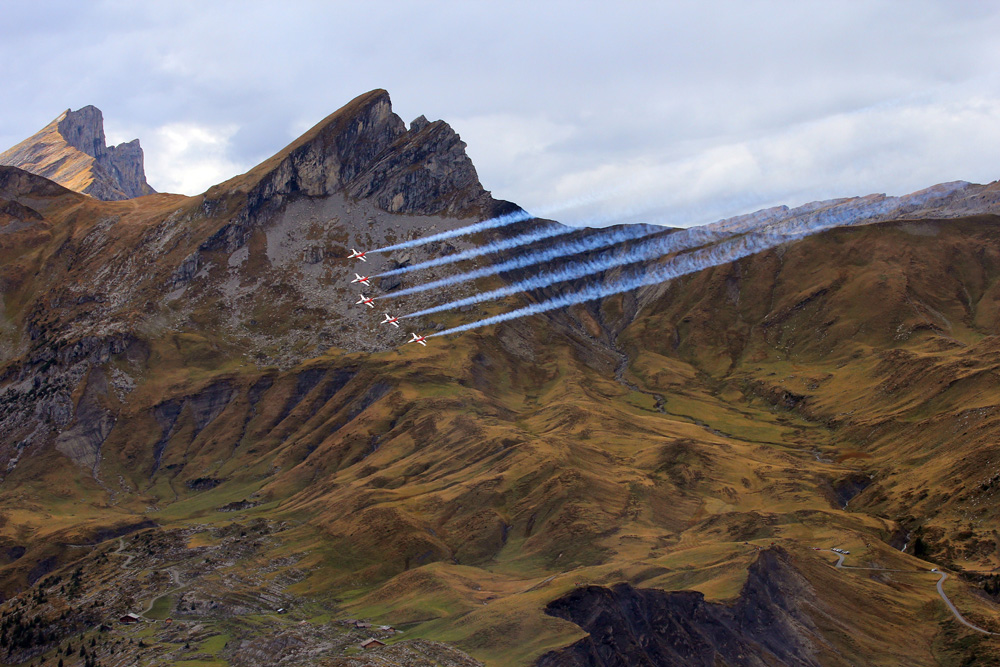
673, 112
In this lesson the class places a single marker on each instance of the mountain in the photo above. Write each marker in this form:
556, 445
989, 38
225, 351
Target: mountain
72, 151
198, 423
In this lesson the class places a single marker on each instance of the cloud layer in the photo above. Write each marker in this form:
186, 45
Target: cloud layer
677, 113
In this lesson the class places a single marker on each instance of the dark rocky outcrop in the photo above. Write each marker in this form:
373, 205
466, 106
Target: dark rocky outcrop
166, 415
72, 151
238, 505
37, 398
82, 441
203, 483
17, 183
447, 183
304, 383
207, 404
364, 151
629, 626
202, 407
14, 211
849, 486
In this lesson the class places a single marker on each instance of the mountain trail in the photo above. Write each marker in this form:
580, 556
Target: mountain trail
940, 589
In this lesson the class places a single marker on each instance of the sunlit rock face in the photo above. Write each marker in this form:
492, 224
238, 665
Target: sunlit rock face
72, 151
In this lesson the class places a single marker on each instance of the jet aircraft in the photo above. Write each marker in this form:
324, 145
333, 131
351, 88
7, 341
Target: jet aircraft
359, 255
394, 321
368, 301
418, 339
364, 280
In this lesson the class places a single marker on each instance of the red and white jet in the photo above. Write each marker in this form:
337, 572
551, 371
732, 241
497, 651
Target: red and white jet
359, 255
364, 280
418, 339
366, 300
394, 321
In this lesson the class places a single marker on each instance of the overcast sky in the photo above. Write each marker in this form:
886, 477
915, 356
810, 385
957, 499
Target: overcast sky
669, 112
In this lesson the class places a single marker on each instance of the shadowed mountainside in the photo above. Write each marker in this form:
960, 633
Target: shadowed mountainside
769, 623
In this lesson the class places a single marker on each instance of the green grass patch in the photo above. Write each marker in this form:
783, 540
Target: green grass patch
214, 644
162, 607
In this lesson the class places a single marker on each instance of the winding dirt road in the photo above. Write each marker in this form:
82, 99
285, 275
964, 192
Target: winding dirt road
940, 589
944, 597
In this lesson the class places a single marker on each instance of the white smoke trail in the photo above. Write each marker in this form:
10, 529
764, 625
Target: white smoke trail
514, 217
593, 242
488, 248
684, 239
779, 221
517, 241
492, 223
728, 251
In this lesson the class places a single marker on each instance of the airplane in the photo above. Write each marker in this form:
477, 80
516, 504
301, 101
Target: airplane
418, 339
359, 255
394, 321
368, 301
362, 279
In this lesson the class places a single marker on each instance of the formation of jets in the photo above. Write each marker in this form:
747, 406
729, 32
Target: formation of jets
370, 301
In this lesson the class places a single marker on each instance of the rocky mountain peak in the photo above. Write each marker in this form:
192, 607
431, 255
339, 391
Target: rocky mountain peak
83, 129
365, 151
362, 151
419, 123
72, 151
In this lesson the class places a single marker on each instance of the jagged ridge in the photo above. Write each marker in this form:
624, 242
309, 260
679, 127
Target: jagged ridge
72, 151
364, 151
630, 626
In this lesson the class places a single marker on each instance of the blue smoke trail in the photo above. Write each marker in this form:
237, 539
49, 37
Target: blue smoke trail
760, 231
684, 239
508, 219
491, 247
592, 242
492, 223
775, 222
697, 260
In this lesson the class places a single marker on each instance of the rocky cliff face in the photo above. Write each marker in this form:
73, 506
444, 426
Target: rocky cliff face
630, 626
73, 151
363, 152
447, 184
